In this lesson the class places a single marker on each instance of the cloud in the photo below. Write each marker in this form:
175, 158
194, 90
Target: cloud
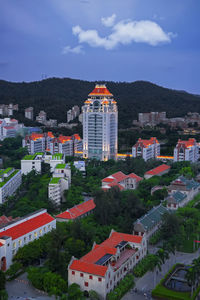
124, 32
76, 50
109, 21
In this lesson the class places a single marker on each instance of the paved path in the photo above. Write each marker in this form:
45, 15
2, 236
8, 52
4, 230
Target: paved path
20, 288
146, 283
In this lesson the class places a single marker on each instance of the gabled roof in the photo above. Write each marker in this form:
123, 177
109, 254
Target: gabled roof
145, 143
176, 197
92, 262
186, 144
152, 218
133, 175
27, 226
158, 170
77, 210
86, 267
100, 90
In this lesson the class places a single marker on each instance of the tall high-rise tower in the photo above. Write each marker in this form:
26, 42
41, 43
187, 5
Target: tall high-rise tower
100, 120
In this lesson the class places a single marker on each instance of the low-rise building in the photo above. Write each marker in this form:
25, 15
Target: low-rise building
10, 180
21, 232
150, 222
158, 171
189, 188
147, 149
9, 128
106, 264
186, 150
77, 212
60, 181
176, 200
7, 110
122, 181
34, 162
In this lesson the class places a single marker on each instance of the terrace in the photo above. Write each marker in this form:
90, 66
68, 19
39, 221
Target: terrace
125, 255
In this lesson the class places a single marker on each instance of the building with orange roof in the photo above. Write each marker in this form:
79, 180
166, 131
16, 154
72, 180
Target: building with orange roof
147, 149
78, 211
122, 181
186, 150
21, 232
41, 142
158, 171
100, 122
106, 264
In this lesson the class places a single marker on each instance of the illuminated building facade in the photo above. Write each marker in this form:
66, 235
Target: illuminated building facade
100, 121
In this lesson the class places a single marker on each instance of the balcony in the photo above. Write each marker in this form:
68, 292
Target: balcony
124, 257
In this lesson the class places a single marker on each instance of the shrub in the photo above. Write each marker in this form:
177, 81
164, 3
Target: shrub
124, 286
144, 265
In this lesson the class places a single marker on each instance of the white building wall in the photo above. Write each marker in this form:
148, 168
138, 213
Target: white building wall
10, 186
29, 165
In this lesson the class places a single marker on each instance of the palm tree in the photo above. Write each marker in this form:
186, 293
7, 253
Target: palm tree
191, 277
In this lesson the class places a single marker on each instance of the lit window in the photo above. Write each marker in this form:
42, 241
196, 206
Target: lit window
35, 234
40, 231
14, 245
19, 242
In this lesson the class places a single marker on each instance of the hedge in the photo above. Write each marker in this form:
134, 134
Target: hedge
124, 286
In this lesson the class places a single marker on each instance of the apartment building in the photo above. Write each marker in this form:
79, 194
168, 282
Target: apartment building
106, 264
7, 110
21, 232
73, 113
186, 150
9, 128
60, 181
10, 180
147, 149
34, 162
62, 144
151, 118
42, 117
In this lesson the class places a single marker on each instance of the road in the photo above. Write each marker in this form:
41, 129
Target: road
147, 283
20, 288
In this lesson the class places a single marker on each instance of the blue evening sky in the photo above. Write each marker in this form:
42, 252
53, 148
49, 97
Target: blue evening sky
119, 40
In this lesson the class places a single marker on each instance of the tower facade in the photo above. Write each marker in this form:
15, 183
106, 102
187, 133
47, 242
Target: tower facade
100, 122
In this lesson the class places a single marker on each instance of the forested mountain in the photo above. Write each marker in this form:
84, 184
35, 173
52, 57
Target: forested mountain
55, 96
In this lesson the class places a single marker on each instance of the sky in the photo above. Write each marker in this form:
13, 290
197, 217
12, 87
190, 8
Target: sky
109, 40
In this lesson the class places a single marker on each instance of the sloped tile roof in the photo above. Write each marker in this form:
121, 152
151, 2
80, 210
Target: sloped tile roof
78, 210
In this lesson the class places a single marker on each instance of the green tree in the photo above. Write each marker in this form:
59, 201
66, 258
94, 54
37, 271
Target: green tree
2, 280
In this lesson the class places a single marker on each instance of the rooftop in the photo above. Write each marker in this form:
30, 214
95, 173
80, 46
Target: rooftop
57, 156
100, 90
77, 210
158, 170
26, 226
54, 180
93, 262
6, 179
61, 166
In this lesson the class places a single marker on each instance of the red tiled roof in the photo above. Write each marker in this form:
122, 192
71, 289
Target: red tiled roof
147, 143
98, 252
76, 136
117, 237
63, 139
88, 268
87, 263
27, 226
1, 244
191, 142
119, 176
158, 170
100, 90
108, 179
50, 134
133, 175
78, 210
5, 220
